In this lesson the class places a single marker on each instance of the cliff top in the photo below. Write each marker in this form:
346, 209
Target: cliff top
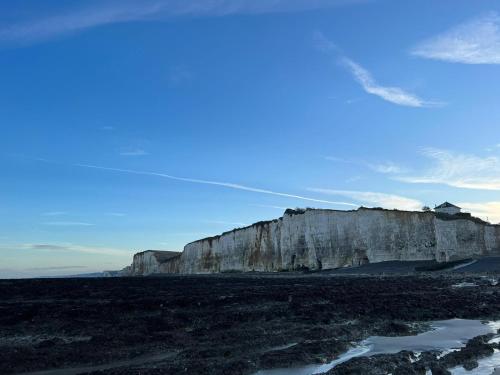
301, 211
162, 255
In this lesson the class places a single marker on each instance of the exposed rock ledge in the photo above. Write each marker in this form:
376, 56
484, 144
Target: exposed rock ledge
326, 239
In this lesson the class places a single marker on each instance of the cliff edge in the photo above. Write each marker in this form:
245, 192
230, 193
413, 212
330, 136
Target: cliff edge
151, 262
325, 239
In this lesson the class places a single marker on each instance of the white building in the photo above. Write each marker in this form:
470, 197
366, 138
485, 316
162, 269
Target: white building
447, 208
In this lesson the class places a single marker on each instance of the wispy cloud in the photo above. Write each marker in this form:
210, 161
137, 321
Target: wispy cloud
116, 214
474, 42
135, 152
489, 211
55, 25
68, 223
391, 94
386, 167
215, 183
67, 247
458, 170
340, 160
373, 199
108, 12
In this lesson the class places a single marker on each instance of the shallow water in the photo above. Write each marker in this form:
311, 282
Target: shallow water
445, 335
318, 369
281, 347
486, 366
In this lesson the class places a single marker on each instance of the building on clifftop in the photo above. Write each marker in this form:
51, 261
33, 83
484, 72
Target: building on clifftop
447, 208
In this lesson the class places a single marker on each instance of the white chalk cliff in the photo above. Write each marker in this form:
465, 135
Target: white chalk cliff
151, 262
326, 239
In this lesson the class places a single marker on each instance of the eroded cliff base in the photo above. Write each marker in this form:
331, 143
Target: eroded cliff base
225, 323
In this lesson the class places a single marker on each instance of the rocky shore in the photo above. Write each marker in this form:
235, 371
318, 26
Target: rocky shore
232, 324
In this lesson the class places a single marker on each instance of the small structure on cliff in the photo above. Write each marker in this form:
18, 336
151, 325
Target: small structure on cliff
447, 208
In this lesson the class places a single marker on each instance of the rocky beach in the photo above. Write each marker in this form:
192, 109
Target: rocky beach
239, 323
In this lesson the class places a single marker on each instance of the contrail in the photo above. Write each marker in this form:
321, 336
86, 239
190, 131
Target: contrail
216, 183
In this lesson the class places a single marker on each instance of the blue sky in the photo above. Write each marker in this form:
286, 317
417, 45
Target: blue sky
132, 125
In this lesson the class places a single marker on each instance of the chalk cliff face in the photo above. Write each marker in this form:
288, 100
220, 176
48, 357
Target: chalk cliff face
152, 262
324, 239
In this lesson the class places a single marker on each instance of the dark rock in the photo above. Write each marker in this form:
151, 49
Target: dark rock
226, 324
470, 365
440, 370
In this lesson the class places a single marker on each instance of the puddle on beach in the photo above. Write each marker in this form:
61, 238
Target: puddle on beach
486, 366
445, 335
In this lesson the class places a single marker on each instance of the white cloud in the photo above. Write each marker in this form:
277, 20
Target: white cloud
76, 20
116, 214
389, 201
474, 42
459, 170
68, 223
107, 12
489, 211
215, 183
135, 152
387, 168
393, 95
